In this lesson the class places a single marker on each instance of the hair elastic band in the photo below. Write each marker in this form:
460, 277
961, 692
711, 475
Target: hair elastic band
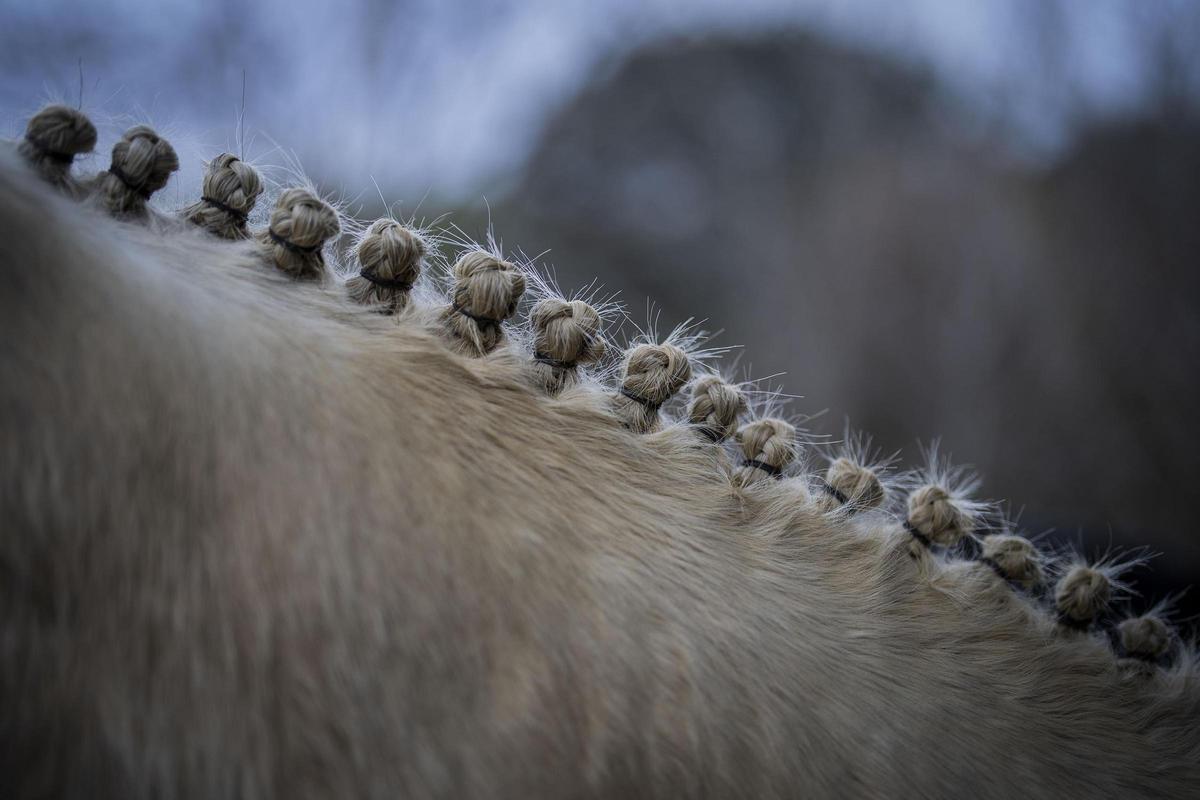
1146, 658
542, 358
834, 492
53, 155
1068, 621
770, 469
369, 274
637, 398
237, 214
991, 562
295, 248
120, 175
916, 534
481, 320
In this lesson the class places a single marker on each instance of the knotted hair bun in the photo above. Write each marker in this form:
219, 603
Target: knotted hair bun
715, 408
390, 257
768, 447
650, 375
301, 223
1081, 594
53, 137
231, 188
566, 335
936, 516
1013, 558
486, 292
1146, 638
142, 163
851, 485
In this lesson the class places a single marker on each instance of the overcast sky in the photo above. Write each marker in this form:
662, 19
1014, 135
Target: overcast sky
450, 96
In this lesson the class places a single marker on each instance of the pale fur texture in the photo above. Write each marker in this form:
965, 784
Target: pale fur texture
262, 542
231, 188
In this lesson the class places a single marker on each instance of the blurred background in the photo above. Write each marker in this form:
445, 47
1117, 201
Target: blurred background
972, 220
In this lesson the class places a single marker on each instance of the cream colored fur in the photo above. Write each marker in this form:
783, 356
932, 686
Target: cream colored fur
260, 542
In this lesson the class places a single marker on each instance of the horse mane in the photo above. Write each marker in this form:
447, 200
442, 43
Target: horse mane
273, 531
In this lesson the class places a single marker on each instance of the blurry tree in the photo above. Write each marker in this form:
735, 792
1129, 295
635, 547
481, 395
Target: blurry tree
832, 212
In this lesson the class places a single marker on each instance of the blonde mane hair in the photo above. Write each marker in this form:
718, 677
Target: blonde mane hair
264, 540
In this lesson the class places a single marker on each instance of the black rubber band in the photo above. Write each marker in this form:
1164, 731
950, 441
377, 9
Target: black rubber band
1143, 657
770, 469
542, 358
120, 175
1068, 621
53, 155
637, 398
481, 320
295, 248
991, 562
916, 534
1114, 638
834, 492
240, 216
368, 273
